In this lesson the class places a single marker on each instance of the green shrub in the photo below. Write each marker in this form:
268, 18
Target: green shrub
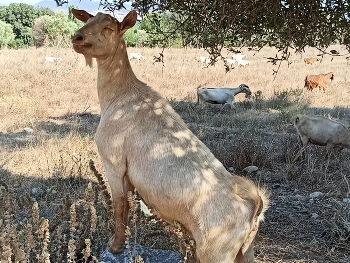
7, 37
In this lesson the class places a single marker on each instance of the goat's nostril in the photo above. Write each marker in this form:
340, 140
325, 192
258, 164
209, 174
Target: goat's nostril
77, 38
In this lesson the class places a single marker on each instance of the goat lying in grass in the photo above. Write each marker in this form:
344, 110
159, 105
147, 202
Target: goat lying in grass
322, 131
145, 145
221, 95
318, 81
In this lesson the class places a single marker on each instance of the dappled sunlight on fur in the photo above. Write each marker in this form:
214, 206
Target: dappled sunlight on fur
144, 144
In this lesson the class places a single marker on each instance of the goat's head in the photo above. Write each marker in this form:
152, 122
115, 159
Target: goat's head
244, 88
331, 75
101, 35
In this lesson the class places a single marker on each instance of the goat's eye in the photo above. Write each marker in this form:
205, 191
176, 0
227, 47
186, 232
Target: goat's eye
108, 28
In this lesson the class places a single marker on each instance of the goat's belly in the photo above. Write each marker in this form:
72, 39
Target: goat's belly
319, 143
215, 102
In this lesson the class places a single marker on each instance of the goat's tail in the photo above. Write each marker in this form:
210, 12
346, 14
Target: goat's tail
264, 203
247, 190
200, 85
296, 120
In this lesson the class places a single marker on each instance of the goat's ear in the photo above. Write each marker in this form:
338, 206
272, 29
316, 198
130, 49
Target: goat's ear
81, 15
128, 22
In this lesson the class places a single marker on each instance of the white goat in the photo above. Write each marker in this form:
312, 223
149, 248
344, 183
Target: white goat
144, 144
322, 131
230, 62
137, 56
204, 60
221, 95
52, 59
242, 62
238, 56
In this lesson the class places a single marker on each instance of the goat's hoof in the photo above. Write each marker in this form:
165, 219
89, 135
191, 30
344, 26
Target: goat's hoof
115, 245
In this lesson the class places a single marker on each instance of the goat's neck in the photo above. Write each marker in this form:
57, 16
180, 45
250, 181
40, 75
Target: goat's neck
115, 77
236, 91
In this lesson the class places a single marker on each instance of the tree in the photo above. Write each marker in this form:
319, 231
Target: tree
54, 30
21, 17
7, 36
285, 24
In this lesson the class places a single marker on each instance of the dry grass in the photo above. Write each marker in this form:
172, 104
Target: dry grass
59, 102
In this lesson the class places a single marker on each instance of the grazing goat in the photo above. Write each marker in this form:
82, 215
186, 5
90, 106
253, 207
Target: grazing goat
239, 56
221, 95
52, 59
242, 62
322, 131
310, 61
230, 62
320, 81
204, 60
239, 59
136, 56
144, 144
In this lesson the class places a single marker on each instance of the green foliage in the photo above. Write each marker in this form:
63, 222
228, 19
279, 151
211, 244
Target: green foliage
130, 36
287, 103
160, 29
21, 17
54, 30
289, 24
7, 36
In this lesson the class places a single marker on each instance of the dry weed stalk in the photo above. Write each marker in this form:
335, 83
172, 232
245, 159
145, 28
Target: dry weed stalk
106, 195
186, 243
71, 243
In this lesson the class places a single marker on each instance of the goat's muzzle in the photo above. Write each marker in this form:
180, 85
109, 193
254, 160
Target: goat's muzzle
79, 42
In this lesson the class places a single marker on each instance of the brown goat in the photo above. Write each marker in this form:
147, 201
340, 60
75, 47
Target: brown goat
318, 81
144, 144
310, 61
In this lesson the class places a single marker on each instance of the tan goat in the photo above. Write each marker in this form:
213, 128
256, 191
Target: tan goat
322, 131
145, 145
310, 61
318, 81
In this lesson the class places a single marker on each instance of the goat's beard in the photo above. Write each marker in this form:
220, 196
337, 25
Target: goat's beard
88, 60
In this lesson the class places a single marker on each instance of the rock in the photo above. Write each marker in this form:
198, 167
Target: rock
346, 200
316, 195
28, 130
314, 216
250, 169
276, 185
36, 192
148, 255
145, 210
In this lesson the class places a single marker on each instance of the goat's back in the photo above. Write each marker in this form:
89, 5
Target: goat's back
320, 130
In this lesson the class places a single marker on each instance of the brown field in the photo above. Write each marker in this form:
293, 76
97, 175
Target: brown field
51, 165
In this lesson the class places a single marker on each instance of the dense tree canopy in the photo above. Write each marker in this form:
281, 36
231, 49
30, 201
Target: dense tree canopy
21, 18
284, 24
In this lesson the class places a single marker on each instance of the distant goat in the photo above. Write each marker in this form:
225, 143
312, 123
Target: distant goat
242, 62
52, 59
221, 95
144, 144
230, 62
310, 60
322, 131
136, 56
318, 81
204, 60
238, 56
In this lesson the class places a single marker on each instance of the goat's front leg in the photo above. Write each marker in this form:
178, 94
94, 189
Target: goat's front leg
116, 175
